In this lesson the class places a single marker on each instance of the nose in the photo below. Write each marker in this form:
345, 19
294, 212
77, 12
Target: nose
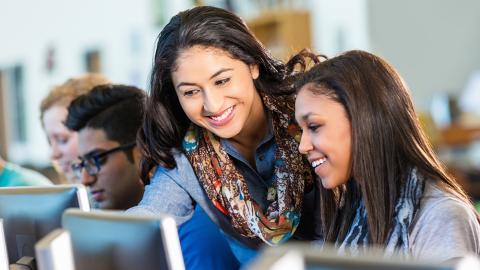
87, 179
212, 100
55, 152
305, 145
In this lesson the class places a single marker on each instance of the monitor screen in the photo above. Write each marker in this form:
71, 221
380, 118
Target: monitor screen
104, 240
30, 213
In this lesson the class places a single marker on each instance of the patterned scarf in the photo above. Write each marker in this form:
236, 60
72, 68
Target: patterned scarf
226, 187
397, 242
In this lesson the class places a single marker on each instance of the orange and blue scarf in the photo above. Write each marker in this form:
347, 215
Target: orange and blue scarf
226, 187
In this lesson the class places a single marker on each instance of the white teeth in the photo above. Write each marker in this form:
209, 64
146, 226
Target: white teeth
318, 162
223, 115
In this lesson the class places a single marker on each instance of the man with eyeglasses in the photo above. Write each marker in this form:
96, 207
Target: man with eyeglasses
107, 120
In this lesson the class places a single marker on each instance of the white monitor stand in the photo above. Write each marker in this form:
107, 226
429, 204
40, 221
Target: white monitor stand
54, 251
3, 249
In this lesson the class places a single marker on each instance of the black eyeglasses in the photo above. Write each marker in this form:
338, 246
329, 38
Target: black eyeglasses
93, 163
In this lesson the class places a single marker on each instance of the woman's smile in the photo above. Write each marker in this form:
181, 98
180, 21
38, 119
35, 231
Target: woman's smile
223, 118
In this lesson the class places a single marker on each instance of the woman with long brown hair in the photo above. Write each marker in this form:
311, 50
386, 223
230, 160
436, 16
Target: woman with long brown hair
381, 183
219, 133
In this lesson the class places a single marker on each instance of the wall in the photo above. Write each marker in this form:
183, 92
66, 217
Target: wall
433, 43
122, 30
339, 25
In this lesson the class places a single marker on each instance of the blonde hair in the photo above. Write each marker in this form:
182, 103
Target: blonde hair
64, 94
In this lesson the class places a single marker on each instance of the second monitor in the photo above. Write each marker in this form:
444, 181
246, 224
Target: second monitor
108, 240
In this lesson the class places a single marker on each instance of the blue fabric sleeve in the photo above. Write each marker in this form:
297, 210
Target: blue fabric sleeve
164, 195
203, 245
14, 175
244, 254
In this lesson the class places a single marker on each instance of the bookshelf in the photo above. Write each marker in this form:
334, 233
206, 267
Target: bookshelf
283, 32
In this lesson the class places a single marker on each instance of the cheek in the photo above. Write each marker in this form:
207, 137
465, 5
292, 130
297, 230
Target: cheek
71, 148
346, 157
119, 180
192, 108
108, 177
249, 93
318, 141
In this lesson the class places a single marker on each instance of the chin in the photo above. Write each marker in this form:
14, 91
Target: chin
327, 184
104, 205
225, 133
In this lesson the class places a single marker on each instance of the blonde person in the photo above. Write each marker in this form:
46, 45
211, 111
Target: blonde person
53, 113
380, 182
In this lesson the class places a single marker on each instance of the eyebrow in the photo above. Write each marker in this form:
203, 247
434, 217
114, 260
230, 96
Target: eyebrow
306, 116
220, 72
211, 77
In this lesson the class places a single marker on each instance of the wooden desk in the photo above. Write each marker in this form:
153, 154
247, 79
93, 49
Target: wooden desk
458, 137
455, 135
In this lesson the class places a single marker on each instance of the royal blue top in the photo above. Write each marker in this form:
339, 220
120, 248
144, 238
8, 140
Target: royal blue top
203, 245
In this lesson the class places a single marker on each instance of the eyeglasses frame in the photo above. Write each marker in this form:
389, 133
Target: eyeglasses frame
79, 166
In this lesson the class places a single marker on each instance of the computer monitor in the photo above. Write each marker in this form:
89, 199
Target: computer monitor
54, 251
3, 249
303, 256
107, 240
30, 213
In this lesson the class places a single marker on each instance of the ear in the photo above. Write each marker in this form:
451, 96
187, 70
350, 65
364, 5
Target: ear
254, 71
136, 155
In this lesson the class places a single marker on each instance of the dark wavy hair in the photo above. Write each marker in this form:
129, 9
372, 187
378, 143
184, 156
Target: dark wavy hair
387, 142
116, 109
165, 122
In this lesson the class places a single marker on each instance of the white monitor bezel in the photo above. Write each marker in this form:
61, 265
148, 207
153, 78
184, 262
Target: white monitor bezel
167, 228
54, 251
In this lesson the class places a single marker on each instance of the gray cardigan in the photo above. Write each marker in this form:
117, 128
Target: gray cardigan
177, 191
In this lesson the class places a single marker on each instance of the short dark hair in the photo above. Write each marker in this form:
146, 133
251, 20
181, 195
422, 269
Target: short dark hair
116, 109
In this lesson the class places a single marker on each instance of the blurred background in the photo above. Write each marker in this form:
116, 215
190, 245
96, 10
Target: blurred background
433, 43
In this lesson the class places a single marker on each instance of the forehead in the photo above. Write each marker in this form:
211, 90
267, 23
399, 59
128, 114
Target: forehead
308, 103
54, 117
200, 61
90, 139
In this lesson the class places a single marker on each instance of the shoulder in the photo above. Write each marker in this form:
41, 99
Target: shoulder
438, 204
445, 226
180, 174
172, 191
180, 178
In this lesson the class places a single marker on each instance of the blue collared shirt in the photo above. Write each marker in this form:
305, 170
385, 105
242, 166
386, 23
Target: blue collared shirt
258, 179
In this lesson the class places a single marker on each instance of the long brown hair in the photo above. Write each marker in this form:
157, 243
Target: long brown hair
387, 142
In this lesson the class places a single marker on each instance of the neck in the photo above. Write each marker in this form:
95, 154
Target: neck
255, 128
2, 164
132, 201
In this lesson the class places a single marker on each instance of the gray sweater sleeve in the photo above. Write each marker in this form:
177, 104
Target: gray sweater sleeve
445, 228
167, 193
